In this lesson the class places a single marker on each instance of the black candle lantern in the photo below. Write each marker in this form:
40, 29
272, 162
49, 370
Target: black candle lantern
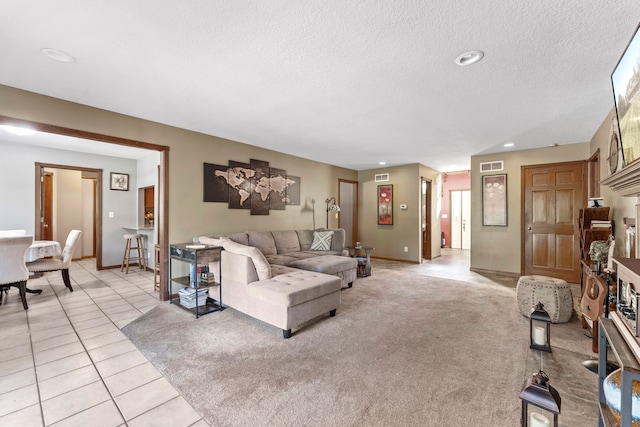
540, 403
539, 328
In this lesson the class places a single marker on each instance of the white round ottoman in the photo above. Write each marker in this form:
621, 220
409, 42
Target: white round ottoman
554, 293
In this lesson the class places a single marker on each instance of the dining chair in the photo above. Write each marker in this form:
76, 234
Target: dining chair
13, 270
62, 262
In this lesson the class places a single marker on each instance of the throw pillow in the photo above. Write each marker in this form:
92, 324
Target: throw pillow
215, 241
259, 261
321, 240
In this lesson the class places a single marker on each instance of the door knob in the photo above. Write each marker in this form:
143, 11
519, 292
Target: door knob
528, 228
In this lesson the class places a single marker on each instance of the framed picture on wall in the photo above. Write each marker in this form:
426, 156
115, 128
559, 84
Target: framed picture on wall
385, 204
494, 200
119, 181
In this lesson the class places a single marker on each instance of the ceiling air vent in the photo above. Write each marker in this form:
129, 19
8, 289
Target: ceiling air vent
382, 177
492, 166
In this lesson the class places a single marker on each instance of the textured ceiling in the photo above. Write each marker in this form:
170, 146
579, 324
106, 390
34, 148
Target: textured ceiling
349, 83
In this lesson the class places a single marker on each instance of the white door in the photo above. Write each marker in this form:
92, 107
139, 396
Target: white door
466, 219
460, 219
456, 219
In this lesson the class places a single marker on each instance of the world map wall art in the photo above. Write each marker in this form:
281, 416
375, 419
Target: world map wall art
254, 186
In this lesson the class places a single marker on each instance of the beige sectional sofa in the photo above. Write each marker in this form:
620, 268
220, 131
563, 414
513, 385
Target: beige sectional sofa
276, 276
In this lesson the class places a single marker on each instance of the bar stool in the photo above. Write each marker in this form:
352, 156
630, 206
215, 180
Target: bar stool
156, 268
127, 258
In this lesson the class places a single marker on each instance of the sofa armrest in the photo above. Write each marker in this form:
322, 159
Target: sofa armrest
239, 268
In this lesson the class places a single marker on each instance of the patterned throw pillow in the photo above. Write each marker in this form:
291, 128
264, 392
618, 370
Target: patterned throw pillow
321, 240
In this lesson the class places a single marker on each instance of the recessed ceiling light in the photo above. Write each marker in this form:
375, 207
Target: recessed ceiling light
382, 163
57, 55
469, 58
509, 144
18, 130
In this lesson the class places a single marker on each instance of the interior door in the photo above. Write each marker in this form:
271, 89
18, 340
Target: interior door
466, 219
456, 219
553, 195
460, 219
46, 220
426, 218
348, 217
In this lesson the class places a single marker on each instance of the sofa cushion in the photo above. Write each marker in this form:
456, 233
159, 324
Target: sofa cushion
294, 288
321, 240
306, 238
259, 261
263, 240
328, 264
280, 259
286, 241
277, 270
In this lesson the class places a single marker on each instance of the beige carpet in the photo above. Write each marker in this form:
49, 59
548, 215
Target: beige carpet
403, 349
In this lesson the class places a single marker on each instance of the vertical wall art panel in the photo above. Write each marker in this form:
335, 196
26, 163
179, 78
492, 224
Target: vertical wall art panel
278, 183
494, 200
216, 183
385, 204
293, 190
240, 175
260, 187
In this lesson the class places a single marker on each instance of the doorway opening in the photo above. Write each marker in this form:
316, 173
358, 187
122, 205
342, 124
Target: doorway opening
69, 198
161, 216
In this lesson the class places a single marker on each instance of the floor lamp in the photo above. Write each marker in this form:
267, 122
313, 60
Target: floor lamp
334, 207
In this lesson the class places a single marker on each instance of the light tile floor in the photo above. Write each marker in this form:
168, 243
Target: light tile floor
65, 362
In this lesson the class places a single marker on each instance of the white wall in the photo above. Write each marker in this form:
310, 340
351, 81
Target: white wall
17, 194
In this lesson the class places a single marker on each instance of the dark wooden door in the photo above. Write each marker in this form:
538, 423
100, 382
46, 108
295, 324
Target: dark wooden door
426, 218
552, 196
47, 207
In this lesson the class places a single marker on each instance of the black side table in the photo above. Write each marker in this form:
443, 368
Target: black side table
364, 262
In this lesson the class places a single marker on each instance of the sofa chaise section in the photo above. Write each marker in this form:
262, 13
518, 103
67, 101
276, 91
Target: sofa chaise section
285, 300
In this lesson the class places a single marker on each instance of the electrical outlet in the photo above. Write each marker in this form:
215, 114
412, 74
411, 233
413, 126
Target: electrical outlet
406, 248
110, 214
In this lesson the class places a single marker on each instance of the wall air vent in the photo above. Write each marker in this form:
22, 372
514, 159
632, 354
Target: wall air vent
492, 166
382, 177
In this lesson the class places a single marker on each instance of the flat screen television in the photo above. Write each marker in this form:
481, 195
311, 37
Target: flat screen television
626, 92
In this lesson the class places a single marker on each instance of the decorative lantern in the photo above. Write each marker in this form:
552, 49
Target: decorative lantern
540, 403
539, 328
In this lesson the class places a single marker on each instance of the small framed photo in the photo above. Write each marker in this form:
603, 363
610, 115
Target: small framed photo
119, 181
